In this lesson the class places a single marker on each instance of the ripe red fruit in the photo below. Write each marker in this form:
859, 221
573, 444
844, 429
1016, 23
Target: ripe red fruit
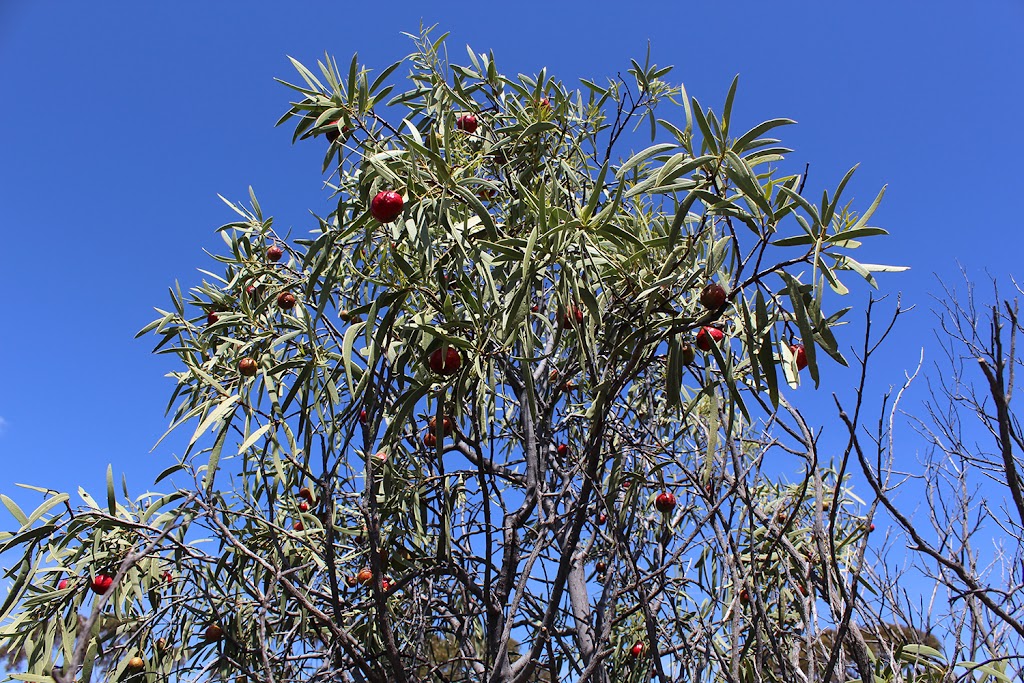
386, 206
602, 519
466, 122
871, 528
445, 361
351, 581
706, 336
430, 440
167, 577
211, 318
665, 502
744, 596
562, 449
247, 367
298, 526
446, 425
712, 296
306, 493
364, 576
101, 584
286, 300
601, 567
545, 103
274, 253
571, 313
332, 133
800, 354
303, 506
363, 417
637, 650
62, 584
213, 632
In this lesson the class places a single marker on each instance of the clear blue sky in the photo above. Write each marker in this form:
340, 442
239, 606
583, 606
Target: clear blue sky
122, 121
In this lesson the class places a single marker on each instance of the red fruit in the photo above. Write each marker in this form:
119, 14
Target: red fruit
430, 440
534, 308
211, 318
871, 528
167, 577
665, 502
386, 206
574, 312
545, 103
744, 596
351, 581
712, 296
306, 493
364, 576
274, 253
286, 300
601, 567
637, 650
446, 425
602, 519
213, 632
706, 336
445, 361
247, 367
101, 584
689, 355
332, 133
800, 354
298, 526
562, 449
62, 584
303, 506
466, 122
362, 417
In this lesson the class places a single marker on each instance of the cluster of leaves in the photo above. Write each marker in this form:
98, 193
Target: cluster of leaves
354, 539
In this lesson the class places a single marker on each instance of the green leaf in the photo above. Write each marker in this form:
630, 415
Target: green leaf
254, 437
218, 445
871, 210
595, 195
218, 413
45, 506
740, 145
13, 508
639, 157
705, 129
111, 497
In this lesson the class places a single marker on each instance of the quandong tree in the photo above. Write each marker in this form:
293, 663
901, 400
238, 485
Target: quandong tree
501, 415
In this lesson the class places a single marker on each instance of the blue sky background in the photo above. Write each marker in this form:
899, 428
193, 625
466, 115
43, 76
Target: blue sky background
121, 121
